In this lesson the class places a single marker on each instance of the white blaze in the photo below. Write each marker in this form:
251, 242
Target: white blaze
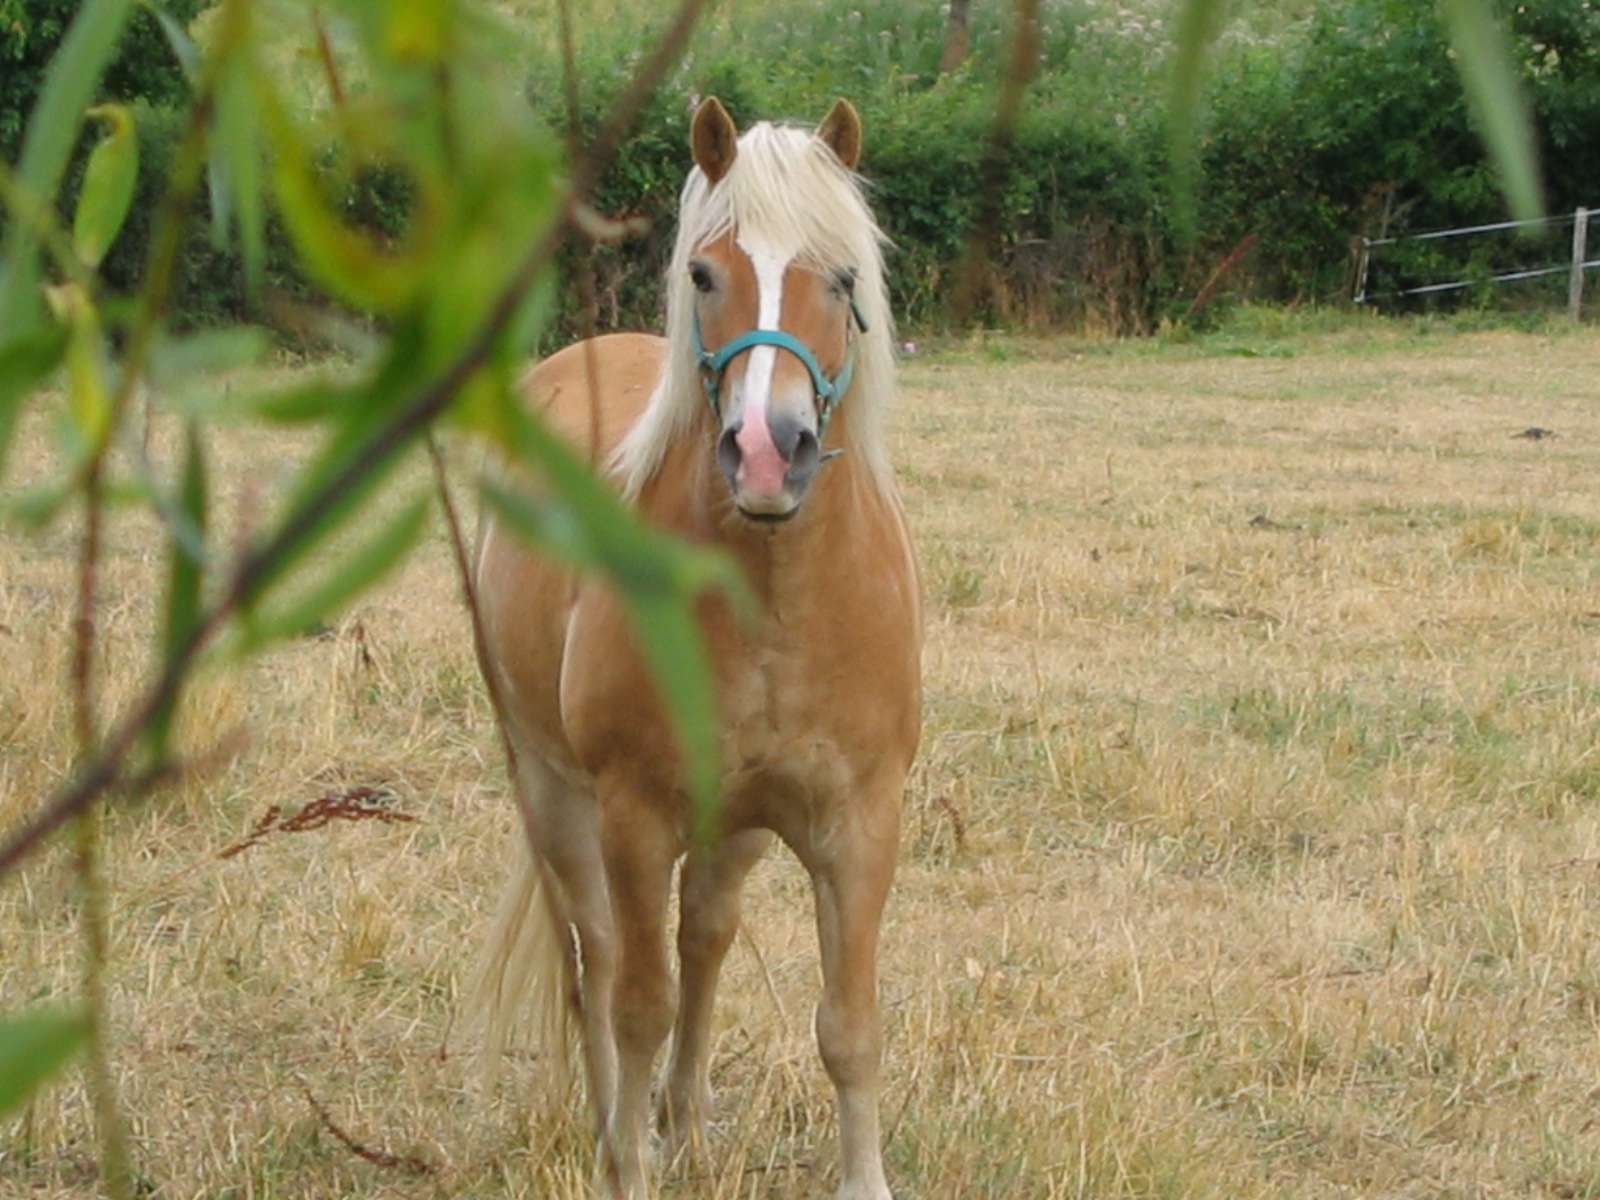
769, 264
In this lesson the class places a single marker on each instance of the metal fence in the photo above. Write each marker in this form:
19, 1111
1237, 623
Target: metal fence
1574, 268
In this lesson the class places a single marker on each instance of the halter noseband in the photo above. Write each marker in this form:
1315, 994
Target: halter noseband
828, 392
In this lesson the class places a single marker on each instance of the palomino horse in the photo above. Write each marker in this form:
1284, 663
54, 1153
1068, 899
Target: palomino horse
776, 315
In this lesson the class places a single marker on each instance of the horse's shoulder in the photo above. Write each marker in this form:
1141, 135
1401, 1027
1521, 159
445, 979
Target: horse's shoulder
610, 376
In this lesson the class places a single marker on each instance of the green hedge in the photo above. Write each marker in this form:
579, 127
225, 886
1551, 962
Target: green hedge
1344, 120
1322, 123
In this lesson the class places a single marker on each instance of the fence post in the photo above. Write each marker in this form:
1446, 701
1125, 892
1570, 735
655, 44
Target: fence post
1363, 261
1580, 240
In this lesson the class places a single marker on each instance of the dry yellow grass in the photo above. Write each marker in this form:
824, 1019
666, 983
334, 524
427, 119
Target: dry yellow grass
1252, 852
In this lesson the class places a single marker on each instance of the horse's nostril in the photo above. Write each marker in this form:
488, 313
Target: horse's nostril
806, 455
728, 455
787, 432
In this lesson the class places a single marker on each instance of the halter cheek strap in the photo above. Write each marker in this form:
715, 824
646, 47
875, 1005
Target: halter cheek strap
828, 392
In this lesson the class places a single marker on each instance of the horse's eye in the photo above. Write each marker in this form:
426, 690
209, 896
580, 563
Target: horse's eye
845, 280
700, 276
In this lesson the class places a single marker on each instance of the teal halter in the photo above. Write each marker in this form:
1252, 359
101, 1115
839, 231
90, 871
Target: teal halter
828, 391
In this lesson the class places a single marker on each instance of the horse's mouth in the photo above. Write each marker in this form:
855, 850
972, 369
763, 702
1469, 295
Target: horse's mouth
768, 518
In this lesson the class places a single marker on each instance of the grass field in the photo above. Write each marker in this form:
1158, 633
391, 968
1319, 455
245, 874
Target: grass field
1254, 850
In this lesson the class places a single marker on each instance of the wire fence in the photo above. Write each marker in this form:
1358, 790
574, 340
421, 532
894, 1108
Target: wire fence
1574, 268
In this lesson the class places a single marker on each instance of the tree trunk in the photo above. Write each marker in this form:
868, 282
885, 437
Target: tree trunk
957, 36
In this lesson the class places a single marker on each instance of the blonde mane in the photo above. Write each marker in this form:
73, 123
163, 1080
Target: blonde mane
787, 184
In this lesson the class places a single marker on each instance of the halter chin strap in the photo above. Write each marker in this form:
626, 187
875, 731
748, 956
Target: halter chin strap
828, 391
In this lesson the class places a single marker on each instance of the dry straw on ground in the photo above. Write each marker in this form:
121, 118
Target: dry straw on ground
1253, 851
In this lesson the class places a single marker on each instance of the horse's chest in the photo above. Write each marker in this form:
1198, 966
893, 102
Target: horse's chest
784, 751
770, 696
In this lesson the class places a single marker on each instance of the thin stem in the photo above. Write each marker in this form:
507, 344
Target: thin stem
115, 1172
996, 166
166, 243
84, 629
583, 278
469, 590
85, 644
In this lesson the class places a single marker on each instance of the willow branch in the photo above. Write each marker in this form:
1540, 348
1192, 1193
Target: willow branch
411, 419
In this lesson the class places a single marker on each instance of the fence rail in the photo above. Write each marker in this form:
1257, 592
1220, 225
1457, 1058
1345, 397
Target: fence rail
1574, 269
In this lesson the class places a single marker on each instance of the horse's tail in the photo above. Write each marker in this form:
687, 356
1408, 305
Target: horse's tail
522, 980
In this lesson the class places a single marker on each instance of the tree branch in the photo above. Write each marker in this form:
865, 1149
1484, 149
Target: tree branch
411, 419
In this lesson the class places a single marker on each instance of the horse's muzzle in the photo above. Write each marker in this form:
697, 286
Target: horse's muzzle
769, 465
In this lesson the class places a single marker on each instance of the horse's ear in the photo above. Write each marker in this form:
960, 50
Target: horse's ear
713, 138
841, 130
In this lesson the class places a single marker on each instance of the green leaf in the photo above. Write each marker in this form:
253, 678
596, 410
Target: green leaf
1498, 101
88, 388
178, 359
307, 404
25, 364
595, 530
670, 638
346, 261
236, 173
364, 410
356, 572
414, 32
34, 1047
69, 86
34, 508
584, 524
183, 47
108, 183
1199, 22
234, 167
185, 571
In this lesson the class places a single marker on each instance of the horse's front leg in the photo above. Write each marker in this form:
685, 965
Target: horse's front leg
640, 846
708, 920
851, 871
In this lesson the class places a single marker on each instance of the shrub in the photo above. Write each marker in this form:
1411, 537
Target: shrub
31, 31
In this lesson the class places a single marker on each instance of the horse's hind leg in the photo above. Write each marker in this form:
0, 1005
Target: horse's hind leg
641, 844
563, 826
707, 922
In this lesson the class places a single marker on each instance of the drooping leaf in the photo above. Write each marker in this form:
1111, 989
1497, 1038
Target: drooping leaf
33, 1047
235, 168
359, 413
219, 184
306, 403
416, 32
656, 592
670, 639
69, 86
183, 47
598, 531
185, 572
345, 260
108, 183
583, 523
354, 573
25, 363
37, 506
177, 359
1199, 22
88, 389
1498, 101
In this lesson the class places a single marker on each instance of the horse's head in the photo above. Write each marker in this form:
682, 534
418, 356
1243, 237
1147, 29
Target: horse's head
775, 322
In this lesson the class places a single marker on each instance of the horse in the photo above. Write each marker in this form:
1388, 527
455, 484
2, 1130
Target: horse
755, 426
